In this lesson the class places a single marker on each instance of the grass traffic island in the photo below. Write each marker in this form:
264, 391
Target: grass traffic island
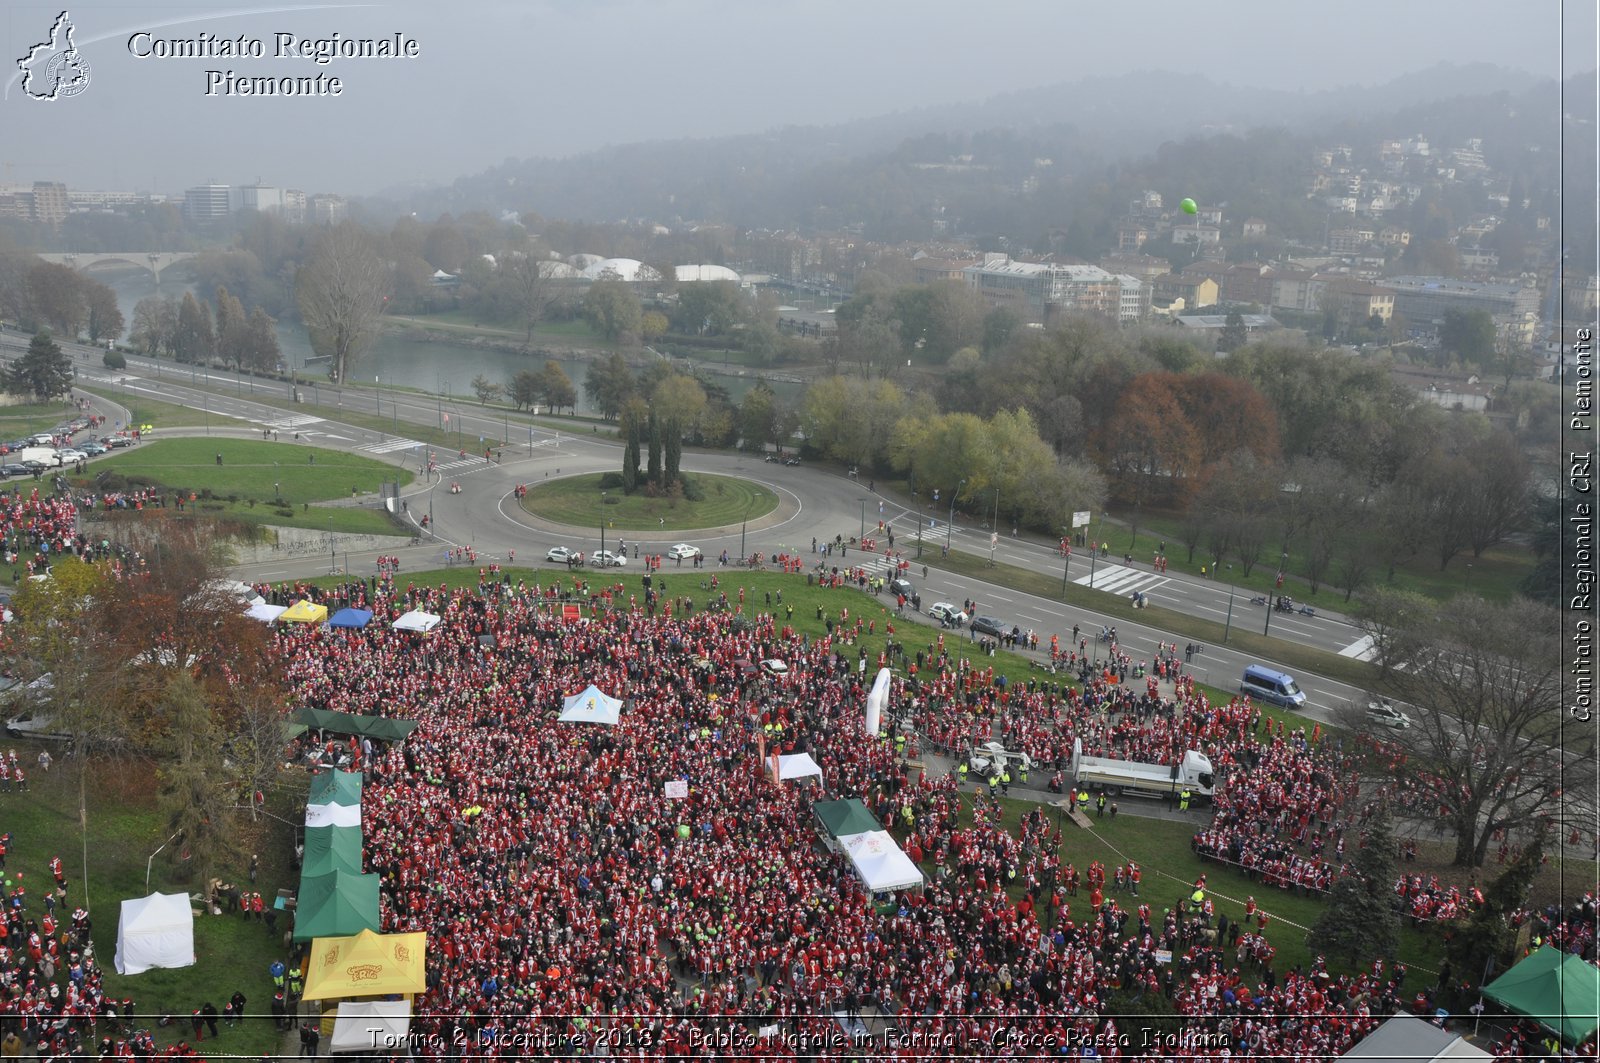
257, 482
721, 500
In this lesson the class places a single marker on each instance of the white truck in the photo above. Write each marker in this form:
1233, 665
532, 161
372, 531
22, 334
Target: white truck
1192, 773
992, 757
47, 456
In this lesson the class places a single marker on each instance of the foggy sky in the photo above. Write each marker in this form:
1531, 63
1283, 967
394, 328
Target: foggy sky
498, 79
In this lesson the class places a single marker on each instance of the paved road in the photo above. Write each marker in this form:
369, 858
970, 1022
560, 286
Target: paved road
814, 502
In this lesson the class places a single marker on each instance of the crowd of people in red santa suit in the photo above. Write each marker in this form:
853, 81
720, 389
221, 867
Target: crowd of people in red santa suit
567, 899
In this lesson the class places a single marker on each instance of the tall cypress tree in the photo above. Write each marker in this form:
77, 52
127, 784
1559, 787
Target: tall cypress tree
655, 451
630, 456
1360, 923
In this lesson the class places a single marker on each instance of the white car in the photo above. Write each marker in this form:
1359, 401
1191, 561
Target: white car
561, 553
607, 559
773, 666
72, 454
684, 552
35, 723
947, 614
1385, 714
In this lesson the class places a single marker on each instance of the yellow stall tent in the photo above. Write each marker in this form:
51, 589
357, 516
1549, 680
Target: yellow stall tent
304, 612
366, 965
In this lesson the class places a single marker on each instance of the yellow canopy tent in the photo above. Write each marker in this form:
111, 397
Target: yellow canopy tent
366, 965
304, 612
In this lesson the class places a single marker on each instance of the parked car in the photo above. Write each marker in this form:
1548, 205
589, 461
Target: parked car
684, 552
33, 465
773, 666
901, 586
562, 554
12, 469
1384, 713
72, 454
117, 441
988, 625
38, 724
607, 559
947, 614
93, 449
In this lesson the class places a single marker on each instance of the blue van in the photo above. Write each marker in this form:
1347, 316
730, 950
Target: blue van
1276, 687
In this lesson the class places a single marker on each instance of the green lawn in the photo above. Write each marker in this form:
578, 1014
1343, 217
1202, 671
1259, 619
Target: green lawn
252, 469
158, 413
125, 828
575, 500
24, 419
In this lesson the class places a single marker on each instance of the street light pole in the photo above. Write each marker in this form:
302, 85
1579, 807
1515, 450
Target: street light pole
994, 537
1228, 627
1272, 599
743, 524
602, 521
1066, 564
863, 518
951, 522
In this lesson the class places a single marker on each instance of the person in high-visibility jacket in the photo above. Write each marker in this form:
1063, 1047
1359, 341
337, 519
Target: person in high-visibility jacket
1183, 800
1083, 801
1005, 780
994, 784
961, 773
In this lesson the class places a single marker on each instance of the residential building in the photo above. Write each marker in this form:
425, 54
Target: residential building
1039, 291
1296, 289
1360, 299
1145, 267
50, 202
1445, 389
294, 206
1423, 301
1349, 241
261, 197
1196, 290
1134, 306
1212, 324
929, 270
204, 203
1131, 237
1254, 228
327, 209
1196, 234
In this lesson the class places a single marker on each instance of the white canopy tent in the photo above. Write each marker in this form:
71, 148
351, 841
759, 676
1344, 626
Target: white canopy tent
372, 1026
797, 766
592, 705
880, 862
333, 815
1408, 1038
267, 614
155, 931
417, 620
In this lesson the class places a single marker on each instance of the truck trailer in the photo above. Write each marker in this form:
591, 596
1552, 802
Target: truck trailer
1192, 773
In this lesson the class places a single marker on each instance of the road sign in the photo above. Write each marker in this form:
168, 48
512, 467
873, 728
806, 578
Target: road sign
1080, 519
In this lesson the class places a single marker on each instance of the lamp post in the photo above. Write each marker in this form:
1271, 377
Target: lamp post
951, 522
1228, 627
1066, 562
602, 521
1272, 599
743, 522
863, 519
994, 538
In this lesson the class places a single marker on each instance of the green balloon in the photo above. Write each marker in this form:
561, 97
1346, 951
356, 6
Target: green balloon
683, 830
1189, 207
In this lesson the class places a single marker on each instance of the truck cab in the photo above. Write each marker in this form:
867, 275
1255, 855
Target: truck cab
991, 757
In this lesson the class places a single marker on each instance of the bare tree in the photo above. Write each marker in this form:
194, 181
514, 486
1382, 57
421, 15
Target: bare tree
530, 283
1497, 503
1484, 744
341, 291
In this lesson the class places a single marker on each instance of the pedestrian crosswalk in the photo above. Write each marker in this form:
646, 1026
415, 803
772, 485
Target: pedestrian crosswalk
1119, 579
389, 446
290, 424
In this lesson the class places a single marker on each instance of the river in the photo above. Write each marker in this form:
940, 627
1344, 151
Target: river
426, 365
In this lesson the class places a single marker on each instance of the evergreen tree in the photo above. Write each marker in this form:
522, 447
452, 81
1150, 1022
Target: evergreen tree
673, 445
630, 456
233, 339
1360, 923
655, 450
1234, 334
44, 372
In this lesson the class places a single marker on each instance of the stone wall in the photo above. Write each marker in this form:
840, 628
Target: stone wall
308, 542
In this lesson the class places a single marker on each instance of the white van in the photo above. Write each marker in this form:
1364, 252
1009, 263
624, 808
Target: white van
49, 456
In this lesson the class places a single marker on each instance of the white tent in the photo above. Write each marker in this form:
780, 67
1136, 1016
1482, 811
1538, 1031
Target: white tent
877, 701
797, 766
417, 620
880, 862
333, 815
593, 705
374, 1026
155, 931
1408, 1038
265, 613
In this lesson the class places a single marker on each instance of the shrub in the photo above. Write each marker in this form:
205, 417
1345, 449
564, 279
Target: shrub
693, 490
114, 360
611, 481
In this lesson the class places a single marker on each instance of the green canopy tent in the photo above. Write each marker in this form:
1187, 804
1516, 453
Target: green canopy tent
331, 849
337, 904
345, 723
335, 788
841, 819
1559, 991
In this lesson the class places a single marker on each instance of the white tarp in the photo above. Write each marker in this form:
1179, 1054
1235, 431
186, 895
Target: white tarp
1406, 1037
593, 705
374, 1027
880, 862
797, 766
877, 701
155, 931
333, 815
265, 613
417, 620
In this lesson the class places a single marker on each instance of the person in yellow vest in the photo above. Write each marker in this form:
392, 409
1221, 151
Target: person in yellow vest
1005, 780
994, 785
961, 773
1183, 800
1083, 801
1197, 898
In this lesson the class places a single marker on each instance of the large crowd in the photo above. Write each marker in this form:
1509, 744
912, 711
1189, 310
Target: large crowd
569, 903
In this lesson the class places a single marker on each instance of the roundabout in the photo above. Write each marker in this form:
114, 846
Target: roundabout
581, 502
